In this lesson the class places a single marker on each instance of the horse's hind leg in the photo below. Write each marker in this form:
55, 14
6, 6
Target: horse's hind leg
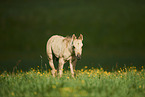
53, 71
50, 58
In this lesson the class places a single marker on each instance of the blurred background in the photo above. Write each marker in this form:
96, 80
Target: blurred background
114, 31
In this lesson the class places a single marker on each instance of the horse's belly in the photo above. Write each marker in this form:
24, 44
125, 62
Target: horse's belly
67, 55
60, 52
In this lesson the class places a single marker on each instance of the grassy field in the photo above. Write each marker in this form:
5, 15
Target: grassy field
124, 82
113, 38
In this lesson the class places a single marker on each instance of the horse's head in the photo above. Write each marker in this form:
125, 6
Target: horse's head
77, 45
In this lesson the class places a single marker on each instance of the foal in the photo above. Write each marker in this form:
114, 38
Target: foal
65, 49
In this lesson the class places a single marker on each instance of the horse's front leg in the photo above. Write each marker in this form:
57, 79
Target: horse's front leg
72, 63
61, 63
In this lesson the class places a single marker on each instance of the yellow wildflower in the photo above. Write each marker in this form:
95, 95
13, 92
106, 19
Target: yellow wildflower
82, 70
35, 93
86, 67
101, 69
53, 86
38, 72
135, 70
12, 94
83, 81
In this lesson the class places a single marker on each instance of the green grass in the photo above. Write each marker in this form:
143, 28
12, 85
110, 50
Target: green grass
126, 82
113, 31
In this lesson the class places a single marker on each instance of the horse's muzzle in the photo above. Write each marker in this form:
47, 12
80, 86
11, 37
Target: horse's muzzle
78, 56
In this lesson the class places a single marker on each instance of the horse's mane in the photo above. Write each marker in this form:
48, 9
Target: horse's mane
67, 38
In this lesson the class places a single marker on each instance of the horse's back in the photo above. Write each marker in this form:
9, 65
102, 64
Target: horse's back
54, 39
55, 44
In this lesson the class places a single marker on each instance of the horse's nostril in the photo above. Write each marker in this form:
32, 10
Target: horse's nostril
78, 56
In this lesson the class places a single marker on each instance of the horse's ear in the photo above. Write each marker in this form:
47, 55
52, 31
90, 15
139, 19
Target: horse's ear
81, 37
73, 37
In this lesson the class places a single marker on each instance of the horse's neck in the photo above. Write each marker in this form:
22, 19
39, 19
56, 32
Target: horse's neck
69, 47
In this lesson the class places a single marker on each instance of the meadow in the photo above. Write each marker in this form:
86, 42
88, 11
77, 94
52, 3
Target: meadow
114, 43
124, 82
